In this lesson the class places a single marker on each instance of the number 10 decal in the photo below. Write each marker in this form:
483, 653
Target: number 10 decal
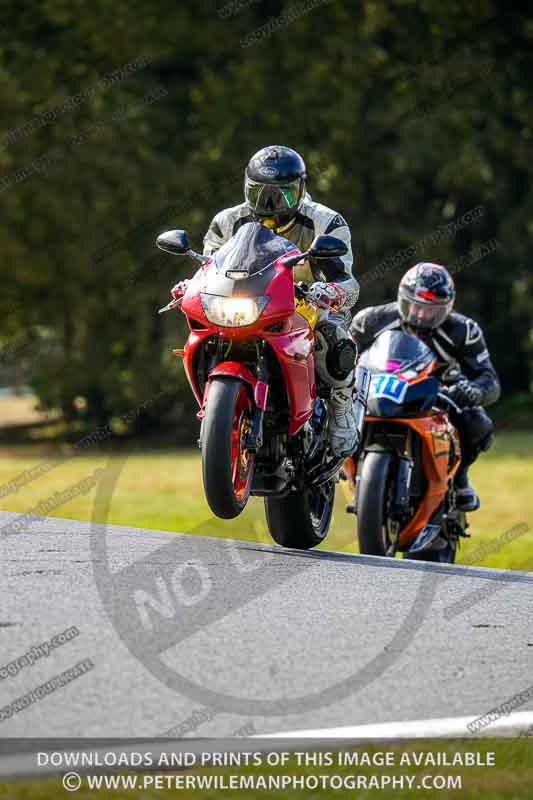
389, 387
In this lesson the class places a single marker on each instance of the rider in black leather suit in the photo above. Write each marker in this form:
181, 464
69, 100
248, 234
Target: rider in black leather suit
425, 299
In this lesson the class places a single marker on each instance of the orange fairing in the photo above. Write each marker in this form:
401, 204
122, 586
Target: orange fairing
350, 469
436, 434
438, 438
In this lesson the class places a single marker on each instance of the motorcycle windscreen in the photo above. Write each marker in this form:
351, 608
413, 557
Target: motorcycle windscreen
395, 358
398, 351
245, 263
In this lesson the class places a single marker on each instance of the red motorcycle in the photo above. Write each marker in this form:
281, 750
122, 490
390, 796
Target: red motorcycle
249, 360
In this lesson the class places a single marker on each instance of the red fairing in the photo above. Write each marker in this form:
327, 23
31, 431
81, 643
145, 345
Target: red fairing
194, 340
293, 343
234, 369
294, 350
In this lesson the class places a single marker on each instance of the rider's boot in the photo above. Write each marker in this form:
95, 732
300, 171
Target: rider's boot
466, 497
342, 422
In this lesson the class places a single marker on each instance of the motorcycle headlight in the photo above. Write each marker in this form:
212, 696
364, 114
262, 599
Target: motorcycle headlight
232, 312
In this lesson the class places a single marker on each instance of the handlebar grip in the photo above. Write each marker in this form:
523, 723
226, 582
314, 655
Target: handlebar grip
448, 402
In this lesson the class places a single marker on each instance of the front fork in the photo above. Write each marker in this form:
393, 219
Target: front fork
257, 383
360, 398
254, 438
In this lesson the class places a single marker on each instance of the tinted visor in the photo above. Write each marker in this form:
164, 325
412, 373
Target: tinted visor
271, 199
423, 315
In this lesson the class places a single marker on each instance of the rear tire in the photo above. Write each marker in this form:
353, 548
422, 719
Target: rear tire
301, 520
227, 467
371, 503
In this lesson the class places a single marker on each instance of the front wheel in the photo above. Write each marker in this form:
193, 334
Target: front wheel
372, 503
301, 520
227, 466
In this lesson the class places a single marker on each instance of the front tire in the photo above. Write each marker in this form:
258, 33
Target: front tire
372, 503
227, 466
301, 520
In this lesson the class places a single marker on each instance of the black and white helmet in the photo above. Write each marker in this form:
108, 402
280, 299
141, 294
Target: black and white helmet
274, 185
426, 295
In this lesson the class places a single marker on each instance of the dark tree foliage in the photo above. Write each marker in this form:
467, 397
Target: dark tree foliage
410, 113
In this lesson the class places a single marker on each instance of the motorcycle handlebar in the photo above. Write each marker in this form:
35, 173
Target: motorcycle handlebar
448, 402
171, 305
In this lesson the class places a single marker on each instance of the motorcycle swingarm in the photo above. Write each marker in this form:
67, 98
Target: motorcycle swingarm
320, 476
273, 484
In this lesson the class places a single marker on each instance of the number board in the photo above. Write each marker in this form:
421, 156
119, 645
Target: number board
388, 387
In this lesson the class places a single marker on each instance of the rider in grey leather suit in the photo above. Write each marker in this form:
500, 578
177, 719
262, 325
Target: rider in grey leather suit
275, 195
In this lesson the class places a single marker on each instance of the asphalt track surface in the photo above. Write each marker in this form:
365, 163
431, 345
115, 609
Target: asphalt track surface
200, 636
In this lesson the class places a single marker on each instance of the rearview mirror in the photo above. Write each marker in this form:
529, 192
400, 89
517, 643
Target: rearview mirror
325, 246
176, 242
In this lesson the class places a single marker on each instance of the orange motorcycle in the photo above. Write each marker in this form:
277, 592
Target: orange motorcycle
402, 475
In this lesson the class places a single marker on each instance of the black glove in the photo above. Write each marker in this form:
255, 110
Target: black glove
465, 393
300, 290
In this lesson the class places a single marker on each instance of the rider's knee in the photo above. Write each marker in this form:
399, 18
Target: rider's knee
478, 428
335, 354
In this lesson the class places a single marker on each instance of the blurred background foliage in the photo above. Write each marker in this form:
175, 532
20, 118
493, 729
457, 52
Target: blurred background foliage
409, 114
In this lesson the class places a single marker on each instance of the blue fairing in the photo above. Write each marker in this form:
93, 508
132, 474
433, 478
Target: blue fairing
391, 396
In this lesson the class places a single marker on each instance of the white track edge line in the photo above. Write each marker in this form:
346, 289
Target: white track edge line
515, 724
23, 765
